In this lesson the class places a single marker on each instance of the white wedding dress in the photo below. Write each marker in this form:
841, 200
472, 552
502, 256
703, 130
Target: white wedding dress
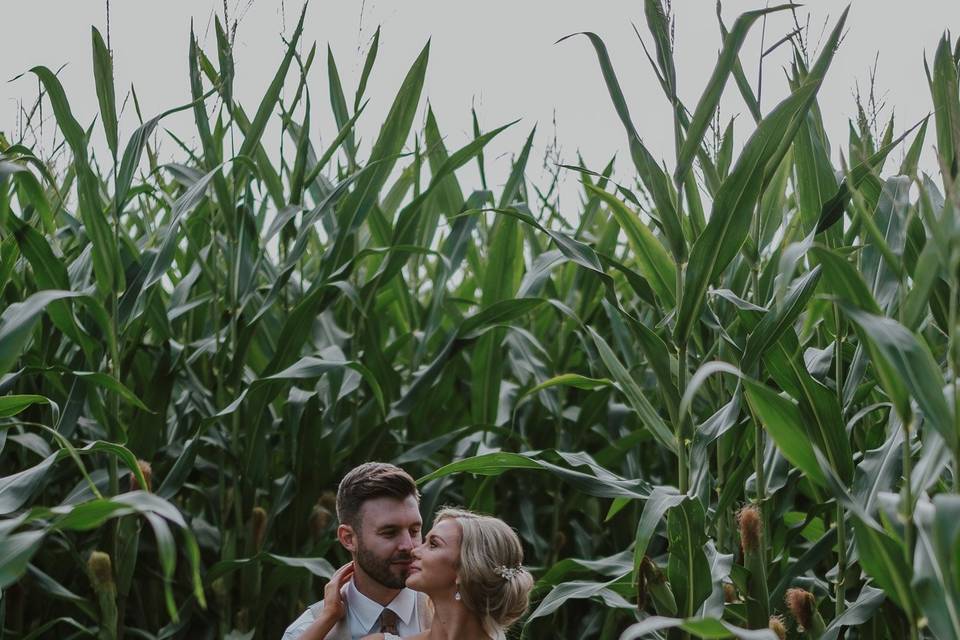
390, 636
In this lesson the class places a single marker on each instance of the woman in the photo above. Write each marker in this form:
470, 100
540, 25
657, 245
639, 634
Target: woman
471, 567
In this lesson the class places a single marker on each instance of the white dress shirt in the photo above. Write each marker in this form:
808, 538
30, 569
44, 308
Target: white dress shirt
363, 614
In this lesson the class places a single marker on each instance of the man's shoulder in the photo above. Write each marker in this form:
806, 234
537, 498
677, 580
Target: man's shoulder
296, 629
298, 626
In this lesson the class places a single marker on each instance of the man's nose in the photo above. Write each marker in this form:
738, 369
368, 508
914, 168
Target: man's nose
406, 542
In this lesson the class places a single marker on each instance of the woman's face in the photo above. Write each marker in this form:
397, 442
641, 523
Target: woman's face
435, 562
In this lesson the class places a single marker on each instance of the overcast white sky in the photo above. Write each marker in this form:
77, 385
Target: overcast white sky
498, 54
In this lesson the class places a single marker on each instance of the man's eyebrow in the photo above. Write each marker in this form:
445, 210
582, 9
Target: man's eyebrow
395, 525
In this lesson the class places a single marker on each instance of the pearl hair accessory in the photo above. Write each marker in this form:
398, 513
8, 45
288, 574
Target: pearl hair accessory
508, 573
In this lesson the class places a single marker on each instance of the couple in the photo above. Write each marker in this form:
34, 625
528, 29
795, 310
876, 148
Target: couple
463, 581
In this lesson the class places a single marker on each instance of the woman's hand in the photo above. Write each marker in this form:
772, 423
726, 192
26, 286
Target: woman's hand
334, 608
333, 604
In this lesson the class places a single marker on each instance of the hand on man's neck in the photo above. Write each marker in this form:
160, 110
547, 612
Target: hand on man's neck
372, 589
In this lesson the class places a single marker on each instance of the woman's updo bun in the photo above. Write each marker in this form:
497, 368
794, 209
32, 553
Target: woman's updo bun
493, 582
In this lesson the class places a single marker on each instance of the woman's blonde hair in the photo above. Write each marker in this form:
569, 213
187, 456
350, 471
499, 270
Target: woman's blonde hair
493, 583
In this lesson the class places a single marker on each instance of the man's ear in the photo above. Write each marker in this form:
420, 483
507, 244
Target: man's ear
347, 537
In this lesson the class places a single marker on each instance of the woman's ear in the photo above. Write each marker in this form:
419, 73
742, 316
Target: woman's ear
347, 537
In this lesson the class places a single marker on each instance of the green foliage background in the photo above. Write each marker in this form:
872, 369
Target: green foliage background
192, 355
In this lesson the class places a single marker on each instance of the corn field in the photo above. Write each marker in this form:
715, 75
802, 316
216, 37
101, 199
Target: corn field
716, 400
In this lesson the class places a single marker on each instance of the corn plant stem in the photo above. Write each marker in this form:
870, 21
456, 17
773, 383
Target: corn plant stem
555, 524
906, 508
952, 363
116, 432
758, 435
841, 587
722, 455
219, 394
683, 472
758, 466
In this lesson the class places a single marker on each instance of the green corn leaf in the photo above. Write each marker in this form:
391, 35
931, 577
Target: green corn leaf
389, 144
652, 175
103, 75
635, 395
225, 55
708, 102
687, 569
17, 322
660, 28
882, 559
16, 551
315, 566
778, 320
733, 208
946, 104
697, 627
904, 363
661, 500
936, 569
782, 420
14, 404
498, 463
367, 68
833, 208
135, 147
574, 380
297, 179
581, 589
18, 488
501, 312
106, 259
268, 103
339, 105
110, 383
653, 261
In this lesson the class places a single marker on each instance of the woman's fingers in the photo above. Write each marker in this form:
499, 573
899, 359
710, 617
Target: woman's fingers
343, 573
340, 577
339, 574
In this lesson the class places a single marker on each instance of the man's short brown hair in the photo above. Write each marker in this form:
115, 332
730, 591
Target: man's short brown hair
368, 481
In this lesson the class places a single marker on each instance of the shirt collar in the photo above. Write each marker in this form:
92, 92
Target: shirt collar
367, 611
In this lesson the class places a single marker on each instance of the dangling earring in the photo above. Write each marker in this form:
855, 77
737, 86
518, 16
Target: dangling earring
456, 596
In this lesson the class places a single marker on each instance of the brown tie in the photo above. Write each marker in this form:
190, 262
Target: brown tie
388, 621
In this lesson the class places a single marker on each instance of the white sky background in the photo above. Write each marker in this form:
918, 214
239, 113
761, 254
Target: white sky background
499, 55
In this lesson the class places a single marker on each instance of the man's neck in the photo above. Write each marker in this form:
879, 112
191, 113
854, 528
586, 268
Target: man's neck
372, 589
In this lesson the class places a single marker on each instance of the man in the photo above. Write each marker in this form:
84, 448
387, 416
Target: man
378, 507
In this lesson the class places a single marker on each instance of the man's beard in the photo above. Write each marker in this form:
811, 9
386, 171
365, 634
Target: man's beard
381, 569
